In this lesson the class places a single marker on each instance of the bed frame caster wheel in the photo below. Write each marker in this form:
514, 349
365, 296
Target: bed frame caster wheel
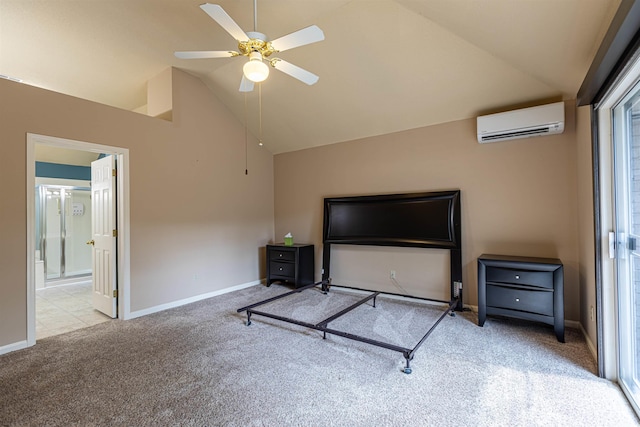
248, 322
452, 314
407, 370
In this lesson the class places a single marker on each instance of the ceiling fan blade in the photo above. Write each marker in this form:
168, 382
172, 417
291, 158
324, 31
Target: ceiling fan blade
199, 54
294, 71
246, 85
302, 37
217, 13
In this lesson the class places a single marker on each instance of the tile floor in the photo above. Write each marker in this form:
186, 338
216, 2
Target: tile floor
65, 308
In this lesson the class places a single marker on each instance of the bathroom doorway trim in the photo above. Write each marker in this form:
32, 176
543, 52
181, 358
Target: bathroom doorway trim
123, 245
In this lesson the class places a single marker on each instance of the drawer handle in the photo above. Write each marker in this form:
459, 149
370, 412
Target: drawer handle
517, 299
517, 276
280, 255
280, 268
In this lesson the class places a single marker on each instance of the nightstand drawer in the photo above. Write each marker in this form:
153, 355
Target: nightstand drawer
282, 255
542, 279
532, 301
283, 269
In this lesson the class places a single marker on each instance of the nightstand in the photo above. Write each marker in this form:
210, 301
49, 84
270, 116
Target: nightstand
290, 264
522, 287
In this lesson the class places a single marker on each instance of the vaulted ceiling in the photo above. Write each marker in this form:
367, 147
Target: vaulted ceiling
384, 66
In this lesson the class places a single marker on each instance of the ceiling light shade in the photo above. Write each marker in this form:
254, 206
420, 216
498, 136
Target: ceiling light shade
256, 70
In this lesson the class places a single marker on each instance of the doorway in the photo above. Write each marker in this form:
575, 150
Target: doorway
68, 265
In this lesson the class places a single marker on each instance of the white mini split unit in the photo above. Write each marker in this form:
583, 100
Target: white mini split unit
525, 123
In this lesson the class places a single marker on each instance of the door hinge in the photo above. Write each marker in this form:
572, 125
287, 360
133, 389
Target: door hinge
115, 293
115, 233
114, 172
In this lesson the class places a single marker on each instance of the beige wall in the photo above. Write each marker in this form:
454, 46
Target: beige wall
518, 197
195, 213
586, 240
193, 210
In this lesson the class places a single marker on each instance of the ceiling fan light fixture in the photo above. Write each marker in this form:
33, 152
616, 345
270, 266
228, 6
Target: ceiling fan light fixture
256, 70
257, 48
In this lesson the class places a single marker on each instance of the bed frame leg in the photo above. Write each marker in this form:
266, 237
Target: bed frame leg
407, 369
325, 286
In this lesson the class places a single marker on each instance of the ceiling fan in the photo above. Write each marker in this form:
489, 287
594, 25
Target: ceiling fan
257, 47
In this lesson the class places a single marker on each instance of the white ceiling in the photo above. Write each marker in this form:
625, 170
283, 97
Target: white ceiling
384, 66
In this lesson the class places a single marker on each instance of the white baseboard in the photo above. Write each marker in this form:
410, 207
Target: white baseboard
13, 347
573, 324
592, 348
173, 304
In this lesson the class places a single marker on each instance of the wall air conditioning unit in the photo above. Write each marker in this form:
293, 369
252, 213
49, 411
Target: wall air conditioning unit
527, 122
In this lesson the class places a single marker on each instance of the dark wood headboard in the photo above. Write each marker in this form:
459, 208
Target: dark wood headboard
425, 220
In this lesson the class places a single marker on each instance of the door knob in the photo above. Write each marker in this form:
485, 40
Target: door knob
91, 242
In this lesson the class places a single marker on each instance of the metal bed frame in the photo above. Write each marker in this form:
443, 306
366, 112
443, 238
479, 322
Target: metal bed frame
416, 209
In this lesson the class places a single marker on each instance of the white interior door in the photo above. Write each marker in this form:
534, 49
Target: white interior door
103, 230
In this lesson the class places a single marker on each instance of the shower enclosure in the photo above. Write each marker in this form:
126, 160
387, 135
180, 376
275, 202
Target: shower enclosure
63, 227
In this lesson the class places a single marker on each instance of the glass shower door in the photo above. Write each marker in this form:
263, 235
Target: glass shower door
52, 244
65, 227
77, 254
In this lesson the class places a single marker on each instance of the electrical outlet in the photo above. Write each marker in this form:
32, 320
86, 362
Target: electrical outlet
591, 313
392, 274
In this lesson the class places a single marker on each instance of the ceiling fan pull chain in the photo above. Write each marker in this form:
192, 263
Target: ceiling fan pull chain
246, 135
260, 112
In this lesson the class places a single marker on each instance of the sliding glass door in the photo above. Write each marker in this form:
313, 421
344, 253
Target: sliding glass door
626, 240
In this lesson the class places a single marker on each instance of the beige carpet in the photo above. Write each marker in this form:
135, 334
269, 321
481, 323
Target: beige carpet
199, 365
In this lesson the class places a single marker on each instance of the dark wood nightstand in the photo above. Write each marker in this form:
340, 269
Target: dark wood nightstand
290, 264
523, 287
